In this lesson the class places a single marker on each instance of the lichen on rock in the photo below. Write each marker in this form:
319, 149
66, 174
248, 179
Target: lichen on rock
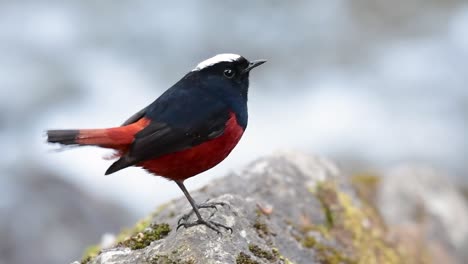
354, 234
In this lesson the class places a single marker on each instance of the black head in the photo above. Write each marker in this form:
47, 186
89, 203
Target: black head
225, 74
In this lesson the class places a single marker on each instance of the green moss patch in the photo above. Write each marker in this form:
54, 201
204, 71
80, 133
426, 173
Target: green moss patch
264, 254
282, 258
243, 258
90, 253
143, 239
262, 228
366, 186
351, 234
325, 253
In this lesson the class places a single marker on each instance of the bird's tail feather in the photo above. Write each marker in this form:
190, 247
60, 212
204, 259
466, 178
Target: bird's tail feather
64, 137
117, 137
83, 137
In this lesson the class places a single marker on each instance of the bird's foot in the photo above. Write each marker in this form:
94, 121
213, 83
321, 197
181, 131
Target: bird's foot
210, 224
213, 205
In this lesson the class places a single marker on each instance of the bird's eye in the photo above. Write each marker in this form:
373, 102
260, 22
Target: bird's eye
229, 73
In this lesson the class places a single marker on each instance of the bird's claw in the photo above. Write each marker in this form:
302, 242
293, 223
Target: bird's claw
210, 224
213, 205
183, 221
185, 217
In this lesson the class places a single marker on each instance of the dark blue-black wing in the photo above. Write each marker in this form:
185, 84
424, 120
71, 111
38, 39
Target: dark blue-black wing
137, 116
180, 119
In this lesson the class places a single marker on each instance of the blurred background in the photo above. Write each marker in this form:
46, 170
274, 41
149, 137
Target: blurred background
368, 83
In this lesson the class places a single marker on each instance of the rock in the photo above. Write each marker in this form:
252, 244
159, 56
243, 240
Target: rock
285, 208
424, 202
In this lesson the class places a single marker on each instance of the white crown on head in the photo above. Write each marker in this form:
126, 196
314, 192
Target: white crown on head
225, 57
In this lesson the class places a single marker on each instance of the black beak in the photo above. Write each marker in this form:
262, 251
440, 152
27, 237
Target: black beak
253, 64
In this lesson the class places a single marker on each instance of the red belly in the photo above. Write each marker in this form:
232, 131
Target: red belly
190, 162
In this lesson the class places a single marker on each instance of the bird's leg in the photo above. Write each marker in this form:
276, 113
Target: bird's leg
200, 221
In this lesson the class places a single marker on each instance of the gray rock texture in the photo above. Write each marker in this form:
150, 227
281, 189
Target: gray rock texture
285, 208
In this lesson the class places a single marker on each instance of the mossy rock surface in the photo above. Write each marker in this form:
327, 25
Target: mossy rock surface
313, 215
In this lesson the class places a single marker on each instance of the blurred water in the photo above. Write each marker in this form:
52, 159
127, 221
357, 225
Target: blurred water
360, 81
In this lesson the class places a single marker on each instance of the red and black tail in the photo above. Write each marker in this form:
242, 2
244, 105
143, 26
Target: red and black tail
116, 138
108, 138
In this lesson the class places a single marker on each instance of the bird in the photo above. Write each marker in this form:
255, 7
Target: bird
190, 128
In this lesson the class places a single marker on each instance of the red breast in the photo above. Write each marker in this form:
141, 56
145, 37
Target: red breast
190, 162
